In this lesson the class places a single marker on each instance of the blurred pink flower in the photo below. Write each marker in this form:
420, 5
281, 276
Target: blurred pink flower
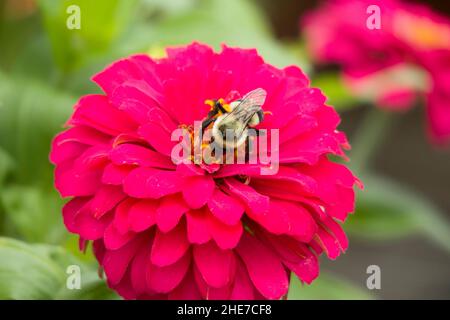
166, 231
406, 59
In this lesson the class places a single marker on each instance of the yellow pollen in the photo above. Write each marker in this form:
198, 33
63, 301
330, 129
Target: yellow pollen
421, 32
210, 103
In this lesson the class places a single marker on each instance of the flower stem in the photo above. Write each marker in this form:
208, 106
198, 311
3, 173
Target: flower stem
368, 138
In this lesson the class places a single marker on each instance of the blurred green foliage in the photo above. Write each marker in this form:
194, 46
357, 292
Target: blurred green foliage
45, 67
326, 287
337, 93
102, 22
387, 210
40, 271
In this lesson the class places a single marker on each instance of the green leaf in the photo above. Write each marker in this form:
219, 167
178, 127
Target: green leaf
92, 288
33, 214
39, 272
101, 22
387, 210
236, 23
31, 113
5, 164
168, 7
27, 274
15, 34
326, 287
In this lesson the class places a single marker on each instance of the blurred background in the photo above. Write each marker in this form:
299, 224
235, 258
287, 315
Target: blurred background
402, 220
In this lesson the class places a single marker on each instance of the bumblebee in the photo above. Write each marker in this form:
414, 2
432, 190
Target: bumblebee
231, 121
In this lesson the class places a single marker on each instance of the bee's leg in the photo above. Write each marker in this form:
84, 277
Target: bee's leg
259, 132
221, 108
206, 123
249, 146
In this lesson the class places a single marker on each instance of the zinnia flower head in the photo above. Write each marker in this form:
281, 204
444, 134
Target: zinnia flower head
188, 231
406, 59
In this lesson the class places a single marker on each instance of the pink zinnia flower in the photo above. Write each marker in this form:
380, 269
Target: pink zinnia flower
166, 231
407, 58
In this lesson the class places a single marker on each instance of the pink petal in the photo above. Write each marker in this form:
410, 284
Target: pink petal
89, 227
106, 198
331, 233
124, 288
132, 154
83, 135
82, 244
99, 250
291, 179
115, 175
295, 255
187, 289
73, 142
151, 183
198, 190
121, 221
218, 293
165, 279
71, 182
298, 125
115, 262
169, 247
142, 215
70, 211
170, 211
275, 220
335, 187
264, 267
238, 169
189, 170
95, 111
139, 270
254, 201
66, 152
328, 243
226, 236
211, 293
132, 99
286, 217
310, 147
243, 287
158, 137
140, 70
338, 232
114, 240
225, 208
198, 230
95, 157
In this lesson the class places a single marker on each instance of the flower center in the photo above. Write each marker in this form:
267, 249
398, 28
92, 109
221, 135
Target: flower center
227, 134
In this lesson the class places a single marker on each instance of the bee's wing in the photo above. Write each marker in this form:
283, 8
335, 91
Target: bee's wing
248, 106
255, 97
